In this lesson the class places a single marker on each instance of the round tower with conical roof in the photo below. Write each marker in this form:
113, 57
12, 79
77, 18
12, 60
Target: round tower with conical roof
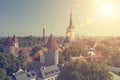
52, 56
10, 45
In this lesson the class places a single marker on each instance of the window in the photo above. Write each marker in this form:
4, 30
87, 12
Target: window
49, 72
56, 70
51, 78
55, 78
45, 73
52, 71
48, 51
33, 74
28, 75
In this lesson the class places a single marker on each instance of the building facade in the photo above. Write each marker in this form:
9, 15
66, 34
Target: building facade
22, 75
44, 72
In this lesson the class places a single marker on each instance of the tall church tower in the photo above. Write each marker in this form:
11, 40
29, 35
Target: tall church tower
70, 30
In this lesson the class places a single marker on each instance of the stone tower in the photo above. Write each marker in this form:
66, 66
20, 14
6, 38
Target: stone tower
51, 56
10, 45
44, 40
15, 41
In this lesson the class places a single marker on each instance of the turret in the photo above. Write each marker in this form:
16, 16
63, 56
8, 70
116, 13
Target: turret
51, 57
44, 40
15, 41
10, 45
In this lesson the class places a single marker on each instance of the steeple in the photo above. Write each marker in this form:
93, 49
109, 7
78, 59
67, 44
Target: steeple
43, 40
70, 25
70, 36
43, 34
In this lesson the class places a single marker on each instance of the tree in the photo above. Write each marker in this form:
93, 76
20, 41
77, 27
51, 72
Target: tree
2, 73
35, 52
106, 42
35, 49
74, 51
28, 41
104, 51
115, 59
85, 71
61, 57
22, 58
9, 64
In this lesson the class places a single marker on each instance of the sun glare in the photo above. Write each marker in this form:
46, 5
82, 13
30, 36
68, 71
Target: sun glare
108, 9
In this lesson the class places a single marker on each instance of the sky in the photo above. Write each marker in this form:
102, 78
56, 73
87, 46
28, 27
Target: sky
29, 17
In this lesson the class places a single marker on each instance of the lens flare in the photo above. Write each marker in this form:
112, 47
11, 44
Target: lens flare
107, 9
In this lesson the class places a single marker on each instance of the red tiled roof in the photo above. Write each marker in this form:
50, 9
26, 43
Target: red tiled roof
95, 57
51, 44
24, 49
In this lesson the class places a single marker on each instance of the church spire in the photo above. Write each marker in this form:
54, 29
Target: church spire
43, 38
43, 32
71, 25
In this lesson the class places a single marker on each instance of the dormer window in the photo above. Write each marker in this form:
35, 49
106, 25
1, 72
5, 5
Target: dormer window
48, 51
56, 70
33, 74
28, 75
46, 74
52, 71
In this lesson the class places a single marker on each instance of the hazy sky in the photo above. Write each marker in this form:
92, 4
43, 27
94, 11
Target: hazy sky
29, 17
